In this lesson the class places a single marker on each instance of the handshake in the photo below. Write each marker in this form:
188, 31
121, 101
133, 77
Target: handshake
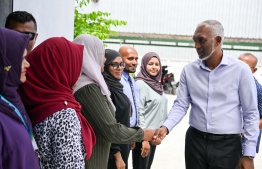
155, 136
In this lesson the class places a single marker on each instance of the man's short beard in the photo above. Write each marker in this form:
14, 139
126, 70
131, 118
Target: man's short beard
208, 56
128, 71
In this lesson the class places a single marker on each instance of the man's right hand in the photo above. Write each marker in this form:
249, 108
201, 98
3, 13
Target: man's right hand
160, 134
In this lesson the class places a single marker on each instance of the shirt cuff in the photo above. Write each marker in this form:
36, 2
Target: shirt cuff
168, 125
249, 151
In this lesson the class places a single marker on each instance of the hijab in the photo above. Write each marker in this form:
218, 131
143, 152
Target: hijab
113, 83
94, 55
122, 102
12, 47
55, 67
152, 81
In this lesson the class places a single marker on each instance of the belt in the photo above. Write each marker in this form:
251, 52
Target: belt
211, 136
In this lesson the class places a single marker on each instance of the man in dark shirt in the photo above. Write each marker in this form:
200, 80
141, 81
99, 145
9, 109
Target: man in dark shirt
23, 22
251, 60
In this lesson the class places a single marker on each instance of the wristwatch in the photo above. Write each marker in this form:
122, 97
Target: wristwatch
251, 157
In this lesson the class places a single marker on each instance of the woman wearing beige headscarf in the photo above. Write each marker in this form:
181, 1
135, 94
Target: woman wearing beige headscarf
92, 93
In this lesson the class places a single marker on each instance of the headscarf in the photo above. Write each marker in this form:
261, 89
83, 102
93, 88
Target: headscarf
55, 67
94, 55
113, 83
12, 47
152, 81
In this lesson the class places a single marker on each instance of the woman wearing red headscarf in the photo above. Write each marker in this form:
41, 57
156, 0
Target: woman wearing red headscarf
63, 135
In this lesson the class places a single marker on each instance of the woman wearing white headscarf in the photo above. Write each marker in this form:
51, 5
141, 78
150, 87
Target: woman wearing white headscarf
92, 93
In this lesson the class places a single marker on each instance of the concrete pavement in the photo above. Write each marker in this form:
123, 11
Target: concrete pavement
170, 154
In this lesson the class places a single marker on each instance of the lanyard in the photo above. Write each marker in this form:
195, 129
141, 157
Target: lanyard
22, 119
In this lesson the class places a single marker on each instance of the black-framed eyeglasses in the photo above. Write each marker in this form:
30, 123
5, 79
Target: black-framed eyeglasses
116, 65
31, 34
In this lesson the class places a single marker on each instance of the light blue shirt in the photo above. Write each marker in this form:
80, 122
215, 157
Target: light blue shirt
128, 93
216, 98
152, 110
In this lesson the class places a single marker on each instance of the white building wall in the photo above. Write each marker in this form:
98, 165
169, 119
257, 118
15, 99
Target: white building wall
176, 57
240, 18
53, 17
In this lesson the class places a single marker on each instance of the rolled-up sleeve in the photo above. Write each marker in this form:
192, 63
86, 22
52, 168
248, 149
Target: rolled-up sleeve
96, 109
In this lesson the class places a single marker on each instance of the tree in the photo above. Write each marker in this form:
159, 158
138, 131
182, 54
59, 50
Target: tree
94, 23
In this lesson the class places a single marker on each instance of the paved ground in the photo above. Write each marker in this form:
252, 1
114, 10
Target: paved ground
170, 154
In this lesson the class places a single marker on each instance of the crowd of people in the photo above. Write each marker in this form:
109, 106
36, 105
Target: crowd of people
74, 104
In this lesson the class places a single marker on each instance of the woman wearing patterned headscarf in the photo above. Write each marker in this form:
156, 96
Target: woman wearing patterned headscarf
153, 106
64, 136
92, 93
16, 139
114, 65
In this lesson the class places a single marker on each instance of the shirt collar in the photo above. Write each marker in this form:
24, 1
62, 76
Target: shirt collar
125, 75
224, 61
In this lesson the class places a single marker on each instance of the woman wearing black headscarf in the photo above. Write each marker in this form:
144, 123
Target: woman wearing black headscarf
16, 139
114, 65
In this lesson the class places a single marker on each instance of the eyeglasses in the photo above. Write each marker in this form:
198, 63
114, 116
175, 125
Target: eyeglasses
116, 65
31, 34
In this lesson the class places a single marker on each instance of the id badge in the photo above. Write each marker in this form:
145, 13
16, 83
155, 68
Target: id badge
34, 144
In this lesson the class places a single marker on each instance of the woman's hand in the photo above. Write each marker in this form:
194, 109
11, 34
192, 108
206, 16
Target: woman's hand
120, 164
145, 149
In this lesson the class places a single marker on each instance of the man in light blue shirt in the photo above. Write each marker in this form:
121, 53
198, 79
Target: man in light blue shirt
130, 58
217, 87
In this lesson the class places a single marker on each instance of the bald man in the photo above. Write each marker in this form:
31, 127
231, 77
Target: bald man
251, 60
130, 58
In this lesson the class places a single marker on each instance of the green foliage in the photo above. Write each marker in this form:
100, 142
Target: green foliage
82, 3
132, 75
94, 23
